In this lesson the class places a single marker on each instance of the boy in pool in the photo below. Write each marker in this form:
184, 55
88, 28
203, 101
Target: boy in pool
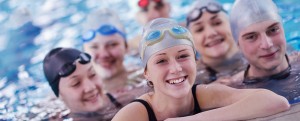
262, 41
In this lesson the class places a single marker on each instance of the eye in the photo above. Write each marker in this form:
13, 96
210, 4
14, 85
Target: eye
250, 37
216, 22
112, 44
273, 30
75, 83
199, 29
94, 46
183, 56
161, 61
93, 75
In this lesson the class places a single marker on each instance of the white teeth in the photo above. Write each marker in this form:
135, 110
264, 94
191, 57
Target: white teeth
214, 42
176, 81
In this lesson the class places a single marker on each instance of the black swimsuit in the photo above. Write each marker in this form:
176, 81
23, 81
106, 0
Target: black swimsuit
114, 100
151, 113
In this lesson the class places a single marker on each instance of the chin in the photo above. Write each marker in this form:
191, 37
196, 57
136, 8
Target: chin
217, 52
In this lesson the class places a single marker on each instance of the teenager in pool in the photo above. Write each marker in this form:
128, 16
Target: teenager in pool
168, 55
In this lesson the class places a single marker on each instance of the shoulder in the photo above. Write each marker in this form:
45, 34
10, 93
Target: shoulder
131, 112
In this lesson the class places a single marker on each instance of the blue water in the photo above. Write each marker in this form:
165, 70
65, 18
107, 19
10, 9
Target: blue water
30, 28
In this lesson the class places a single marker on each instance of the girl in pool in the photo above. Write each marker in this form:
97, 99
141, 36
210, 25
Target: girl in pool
168, 55
73, 80
220, 56
105, 41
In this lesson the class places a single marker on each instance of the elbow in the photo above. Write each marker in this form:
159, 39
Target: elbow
283, 104
278, 103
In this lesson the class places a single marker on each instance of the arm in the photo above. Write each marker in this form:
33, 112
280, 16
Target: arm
132, 112
236, 104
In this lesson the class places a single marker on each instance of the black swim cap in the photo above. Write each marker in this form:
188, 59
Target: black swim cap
55, 61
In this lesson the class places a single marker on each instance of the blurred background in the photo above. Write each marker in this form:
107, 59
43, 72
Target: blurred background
30, 28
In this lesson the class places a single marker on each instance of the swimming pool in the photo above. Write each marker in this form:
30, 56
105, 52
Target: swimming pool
30, 30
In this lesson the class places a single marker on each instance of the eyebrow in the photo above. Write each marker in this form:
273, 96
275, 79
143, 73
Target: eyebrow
160, 54
75, 76
214, 17
275, 24
182, 50
248, 34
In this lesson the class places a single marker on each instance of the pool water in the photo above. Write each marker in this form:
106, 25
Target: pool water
30, 28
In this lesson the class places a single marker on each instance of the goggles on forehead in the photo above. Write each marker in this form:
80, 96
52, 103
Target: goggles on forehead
197, 12
69, 68
105, 30
157, 36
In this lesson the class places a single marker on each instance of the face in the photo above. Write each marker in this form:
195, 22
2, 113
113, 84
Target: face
212, 35
172, 71
81, 91
263, 44
107, 53
155, 11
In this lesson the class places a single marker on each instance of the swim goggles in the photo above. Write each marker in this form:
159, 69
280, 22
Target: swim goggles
157, 36
105, 29
197, 12
69, 68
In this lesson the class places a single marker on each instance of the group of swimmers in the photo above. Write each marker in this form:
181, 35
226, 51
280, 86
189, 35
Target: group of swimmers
202, 70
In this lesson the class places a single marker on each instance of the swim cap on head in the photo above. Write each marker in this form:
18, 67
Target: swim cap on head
162, 33
102, 17
199, 6
59, 62
104, 22
247, 12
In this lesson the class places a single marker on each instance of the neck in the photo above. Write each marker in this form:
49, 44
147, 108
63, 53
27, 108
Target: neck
258, 72
222, 63
172, 107
116, 82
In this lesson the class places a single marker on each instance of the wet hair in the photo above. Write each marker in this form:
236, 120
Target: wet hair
54, 62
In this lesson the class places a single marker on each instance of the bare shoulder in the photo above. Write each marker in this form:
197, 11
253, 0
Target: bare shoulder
207, 95
132, 112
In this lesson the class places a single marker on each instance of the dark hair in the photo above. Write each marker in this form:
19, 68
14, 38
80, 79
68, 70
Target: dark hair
54, 62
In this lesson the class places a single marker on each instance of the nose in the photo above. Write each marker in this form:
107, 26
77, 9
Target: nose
266, 42
175, 67
210, 32
102, 53
89, 86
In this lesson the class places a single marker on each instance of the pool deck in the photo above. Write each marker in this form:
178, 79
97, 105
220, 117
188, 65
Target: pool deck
293, 114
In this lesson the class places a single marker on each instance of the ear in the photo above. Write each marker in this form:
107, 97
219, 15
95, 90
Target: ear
146, 74
238, 44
